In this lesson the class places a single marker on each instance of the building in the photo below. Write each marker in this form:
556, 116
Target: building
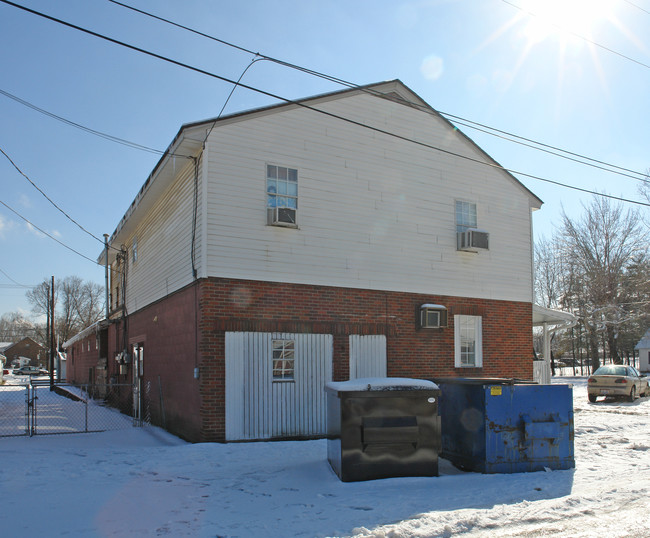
643, 347
352, 234
26, 348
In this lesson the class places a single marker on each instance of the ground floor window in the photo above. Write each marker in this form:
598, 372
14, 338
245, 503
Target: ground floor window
468, 341
283, 359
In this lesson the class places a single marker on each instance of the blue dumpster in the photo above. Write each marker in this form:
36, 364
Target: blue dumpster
505, 426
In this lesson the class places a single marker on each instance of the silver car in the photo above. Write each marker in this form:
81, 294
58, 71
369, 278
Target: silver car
30, 370
617, 381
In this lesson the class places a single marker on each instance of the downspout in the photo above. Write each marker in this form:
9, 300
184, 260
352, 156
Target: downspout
106, 273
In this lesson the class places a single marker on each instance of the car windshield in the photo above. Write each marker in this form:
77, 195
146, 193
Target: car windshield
611, 370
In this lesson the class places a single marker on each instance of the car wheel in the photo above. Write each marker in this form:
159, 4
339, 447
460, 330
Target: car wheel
632, 396
592, 398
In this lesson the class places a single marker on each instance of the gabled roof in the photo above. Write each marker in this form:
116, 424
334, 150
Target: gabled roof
644, 343
190, 139
31, 341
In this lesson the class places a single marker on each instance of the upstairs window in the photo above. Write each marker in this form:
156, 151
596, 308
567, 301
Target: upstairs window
465, 216
134, 250
281, 195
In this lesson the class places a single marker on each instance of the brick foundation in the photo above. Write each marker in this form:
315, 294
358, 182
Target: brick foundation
178, 336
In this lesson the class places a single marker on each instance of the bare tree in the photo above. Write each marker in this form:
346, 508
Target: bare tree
14, 326
548, 285
599, 249
78, 304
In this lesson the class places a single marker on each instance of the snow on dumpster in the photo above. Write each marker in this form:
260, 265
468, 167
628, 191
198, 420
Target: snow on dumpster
382, 427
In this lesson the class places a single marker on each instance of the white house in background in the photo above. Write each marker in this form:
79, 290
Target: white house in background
348, 234
643, 347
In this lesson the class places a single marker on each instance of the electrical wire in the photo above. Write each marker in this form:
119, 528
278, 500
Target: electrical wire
626, 171
48, 198
636, 6
256, 59
579, 36
567, 157
308, 107
17, 284
100, 134
530, 143
47, 234
79, 126
238, 47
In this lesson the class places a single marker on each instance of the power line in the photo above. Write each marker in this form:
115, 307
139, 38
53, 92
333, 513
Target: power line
79, 126
636, 6
47, 234
543, 145
308, 107
17, 284
48, 198
100, 134
530, 143
238, 47
612, 51
473, 125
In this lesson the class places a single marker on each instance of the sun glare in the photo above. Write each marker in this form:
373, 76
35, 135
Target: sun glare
565, 17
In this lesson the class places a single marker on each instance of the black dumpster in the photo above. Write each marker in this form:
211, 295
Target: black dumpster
382, 428
506, 426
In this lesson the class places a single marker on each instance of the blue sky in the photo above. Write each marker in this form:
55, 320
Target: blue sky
482, 60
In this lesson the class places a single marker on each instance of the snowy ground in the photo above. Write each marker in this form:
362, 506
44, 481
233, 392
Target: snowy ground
145, 482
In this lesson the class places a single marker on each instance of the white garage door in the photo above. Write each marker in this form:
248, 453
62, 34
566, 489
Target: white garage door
274, 384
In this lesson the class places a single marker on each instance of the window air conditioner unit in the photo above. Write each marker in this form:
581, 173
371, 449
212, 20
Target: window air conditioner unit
433, 316
473, 240
282, 216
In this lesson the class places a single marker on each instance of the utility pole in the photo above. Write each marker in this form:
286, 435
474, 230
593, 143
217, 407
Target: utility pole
52, 335
47, 327
106, 272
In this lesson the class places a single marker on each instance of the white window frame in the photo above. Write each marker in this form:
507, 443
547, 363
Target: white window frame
281, 192
283, 356
462, 326
466, 215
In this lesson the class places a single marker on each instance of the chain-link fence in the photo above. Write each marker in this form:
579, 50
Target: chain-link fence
14, 410
40, 409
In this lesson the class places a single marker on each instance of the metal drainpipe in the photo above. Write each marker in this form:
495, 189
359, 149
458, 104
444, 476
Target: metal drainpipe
106, 273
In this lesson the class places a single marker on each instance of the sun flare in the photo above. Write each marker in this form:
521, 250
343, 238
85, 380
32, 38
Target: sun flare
566, 17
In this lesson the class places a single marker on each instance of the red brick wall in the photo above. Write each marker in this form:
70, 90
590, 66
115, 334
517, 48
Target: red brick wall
174, 345
167, 330
80, 360
30, 349
238, 305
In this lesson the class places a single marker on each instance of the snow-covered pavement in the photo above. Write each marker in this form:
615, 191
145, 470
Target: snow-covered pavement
145, 482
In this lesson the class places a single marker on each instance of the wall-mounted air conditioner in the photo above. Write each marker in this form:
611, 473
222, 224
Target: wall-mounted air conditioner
473, 240
282, 216
433, 316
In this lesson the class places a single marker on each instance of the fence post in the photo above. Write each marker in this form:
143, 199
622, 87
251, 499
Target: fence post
86, 410
28, 405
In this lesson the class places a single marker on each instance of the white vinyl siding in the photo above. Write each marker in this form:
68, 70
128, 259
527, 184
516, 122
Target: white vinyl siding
375, 212
164, 240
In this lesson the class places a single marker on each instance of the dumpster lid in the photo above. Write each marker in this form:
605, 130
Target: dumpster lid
380, 384
484, 381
